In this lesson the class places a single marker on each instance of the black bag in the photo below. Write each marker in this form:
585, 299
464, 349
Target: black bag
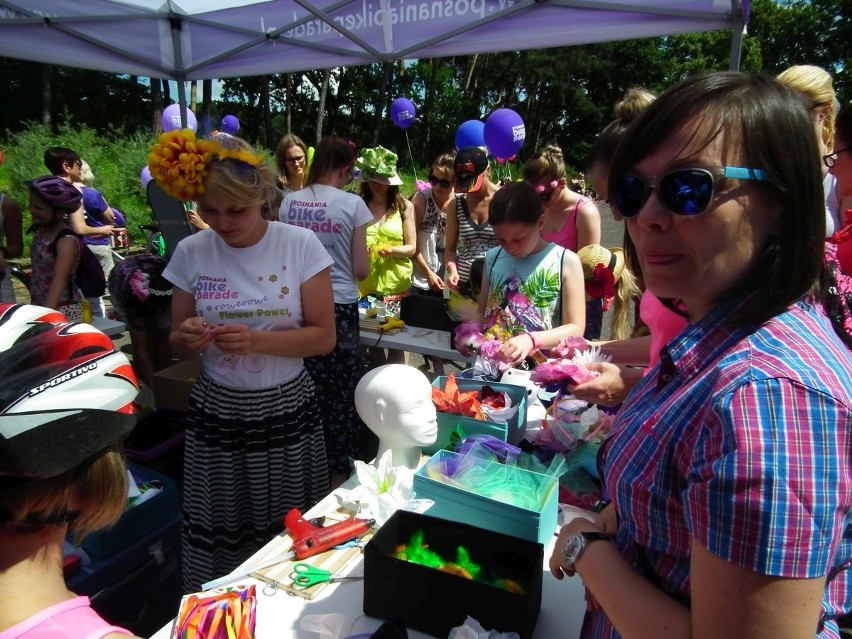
89, 277
426, 310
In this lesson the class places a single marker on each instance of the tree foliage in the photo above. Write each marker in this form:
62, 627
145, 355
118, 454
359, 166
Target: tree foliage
565, 95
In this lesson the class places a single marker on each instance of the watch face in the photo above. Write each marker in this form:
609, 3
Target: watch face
572, 549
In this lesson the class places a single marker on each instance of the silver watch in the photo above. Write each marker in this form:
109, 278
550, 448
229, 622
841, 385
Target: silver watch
576, 544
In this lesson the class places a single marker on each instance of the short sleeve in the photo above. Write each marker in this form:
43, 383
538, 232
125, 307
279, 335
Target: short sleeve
362, 214
316, 258
282, 210
177, 271
769, 479
94, 201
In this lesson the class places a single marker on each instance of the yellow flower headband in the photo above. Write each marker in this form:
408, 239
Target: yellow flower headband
178, 162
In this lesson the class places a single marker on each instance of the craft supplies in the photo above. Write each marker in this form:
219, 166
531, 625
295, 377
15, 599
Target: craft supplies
221, 615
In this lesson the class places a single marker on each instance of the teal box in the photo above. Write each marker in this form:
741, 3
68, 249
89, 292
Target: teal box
511, 431
461, 505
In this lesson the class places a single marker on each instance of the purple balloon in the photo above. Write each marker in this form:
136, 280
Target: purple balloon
145, 176
504, 133
470, 133
171, 119
402, 112
230, 124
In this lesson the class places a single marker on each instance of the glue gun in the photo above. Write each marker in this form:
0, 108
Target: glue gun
310, 540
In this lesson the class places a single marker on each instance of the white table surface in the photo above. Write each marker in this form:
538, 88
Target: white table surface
416, 340
282, 615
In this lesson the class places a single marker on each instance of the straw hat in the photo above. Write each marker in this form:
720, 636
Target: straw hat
594, 254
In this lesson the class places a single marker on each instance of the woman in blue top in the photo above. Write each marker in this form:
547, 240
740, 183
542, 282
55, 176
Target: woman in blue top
728, 464
533, 288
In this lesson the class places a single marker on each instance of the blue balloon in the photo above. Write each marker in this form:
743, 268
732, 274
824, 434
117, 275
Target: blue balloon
470, 133
504, 133
171, 118
145, 176
402, 112
230, 125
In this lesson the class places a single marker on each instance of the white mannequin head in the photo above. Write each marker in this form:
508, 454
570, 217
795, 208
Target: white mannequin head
395, 402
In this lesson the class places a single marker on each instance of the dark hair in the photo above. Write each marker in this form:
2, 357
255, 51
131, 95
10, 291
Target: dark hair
285, 143
393, 198
332, 153
56, 156
769, 121
843, 125
516, 202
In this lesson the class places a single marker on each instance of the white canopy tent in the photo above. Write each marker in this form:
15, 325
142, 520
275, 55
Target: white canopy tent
199, 39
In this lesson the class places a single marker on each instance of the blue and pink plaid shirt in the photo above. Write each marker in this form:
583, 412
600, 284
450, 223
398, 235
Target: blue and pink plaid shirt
743, 442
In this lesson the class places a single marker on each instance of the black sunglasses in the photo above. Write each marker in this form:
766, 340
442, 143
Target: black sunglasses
435, 181
683, 191
831, 159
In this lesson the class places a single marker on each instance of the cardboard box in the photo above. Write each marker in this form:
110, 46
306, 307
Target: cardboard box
457, 504
433, 601
511, 431
173, 385
139, 520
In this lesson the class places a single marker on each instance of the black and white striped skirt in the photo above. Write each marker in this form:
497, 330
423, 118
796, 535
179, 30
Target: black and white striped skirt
250, 457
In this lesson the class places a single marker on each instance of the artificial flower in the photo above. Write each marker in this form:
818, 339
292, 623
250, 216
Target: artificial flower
381, 490
469, 334
178, 163
562, 370
602, 284
569, 346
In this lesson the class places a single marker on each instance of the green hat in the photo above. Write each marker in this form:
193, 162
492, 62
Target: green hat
378, 165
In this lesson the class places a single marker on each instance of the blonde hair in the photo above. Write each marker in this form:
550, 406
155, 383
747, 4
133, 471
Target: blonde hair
816, 84
240, 183
547, 164
626, 291
635, 100
96, 491
86, 175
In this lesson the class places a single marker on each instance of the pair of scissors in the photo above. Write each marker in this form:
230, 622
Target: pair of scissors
305, 576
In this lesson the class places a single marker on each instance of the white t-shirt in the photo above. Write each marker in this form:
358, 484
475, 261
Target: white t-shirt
333, 215
258, 285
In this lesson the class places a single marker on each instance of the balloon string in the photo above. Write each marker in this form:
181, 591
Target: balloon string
411, 156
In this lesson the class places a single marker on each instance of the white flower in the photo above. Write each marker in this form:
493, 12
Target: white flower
589, 356
382, 490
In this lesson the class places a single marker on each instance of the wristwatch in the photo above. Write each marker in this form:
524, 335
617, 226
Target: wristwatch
576, 544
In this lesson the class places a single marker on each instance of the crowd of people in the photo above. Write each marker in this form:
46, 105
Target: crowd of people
727, 469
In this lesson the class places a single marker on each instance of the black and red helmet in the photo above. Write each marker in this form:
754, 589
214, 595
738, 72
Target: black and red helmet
57, 192
67, 393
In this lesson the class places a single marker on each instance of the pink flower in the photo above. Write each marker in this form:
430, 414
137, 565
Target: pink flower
489, 349
562, 370
139, 285
469, 334
569, 346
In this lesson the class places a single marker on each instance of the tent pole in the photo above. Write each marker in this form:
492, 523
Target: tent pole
738, 18
175, 24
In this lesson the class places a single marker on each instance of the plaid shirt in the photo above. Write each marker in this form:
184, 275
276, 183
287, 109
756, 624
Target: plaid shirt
741, 441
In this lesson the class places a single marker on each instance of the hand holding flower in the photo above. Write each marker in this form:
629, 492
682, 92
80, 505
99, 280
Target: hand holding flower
610, 386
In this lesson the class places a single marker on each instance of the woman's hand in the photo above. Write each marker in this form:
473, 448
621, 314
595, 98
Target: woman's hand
232, 338
452, 276
558, 567
435, 282
611, 387
196, 334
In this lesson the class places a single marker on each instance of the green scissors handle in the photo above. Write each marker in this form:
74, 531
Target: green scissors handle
305, 576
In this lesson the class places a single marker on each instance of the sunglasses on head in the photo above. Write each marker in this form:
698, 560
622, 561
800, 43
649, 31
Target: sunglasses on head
435, 181
683, 191
545, 191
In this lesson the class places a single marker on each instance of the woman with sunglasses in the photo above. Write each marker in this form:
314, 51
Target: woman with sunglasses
291, 159
571, 219
839, 164
339, 219
817, 87
728, 465
431, 221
